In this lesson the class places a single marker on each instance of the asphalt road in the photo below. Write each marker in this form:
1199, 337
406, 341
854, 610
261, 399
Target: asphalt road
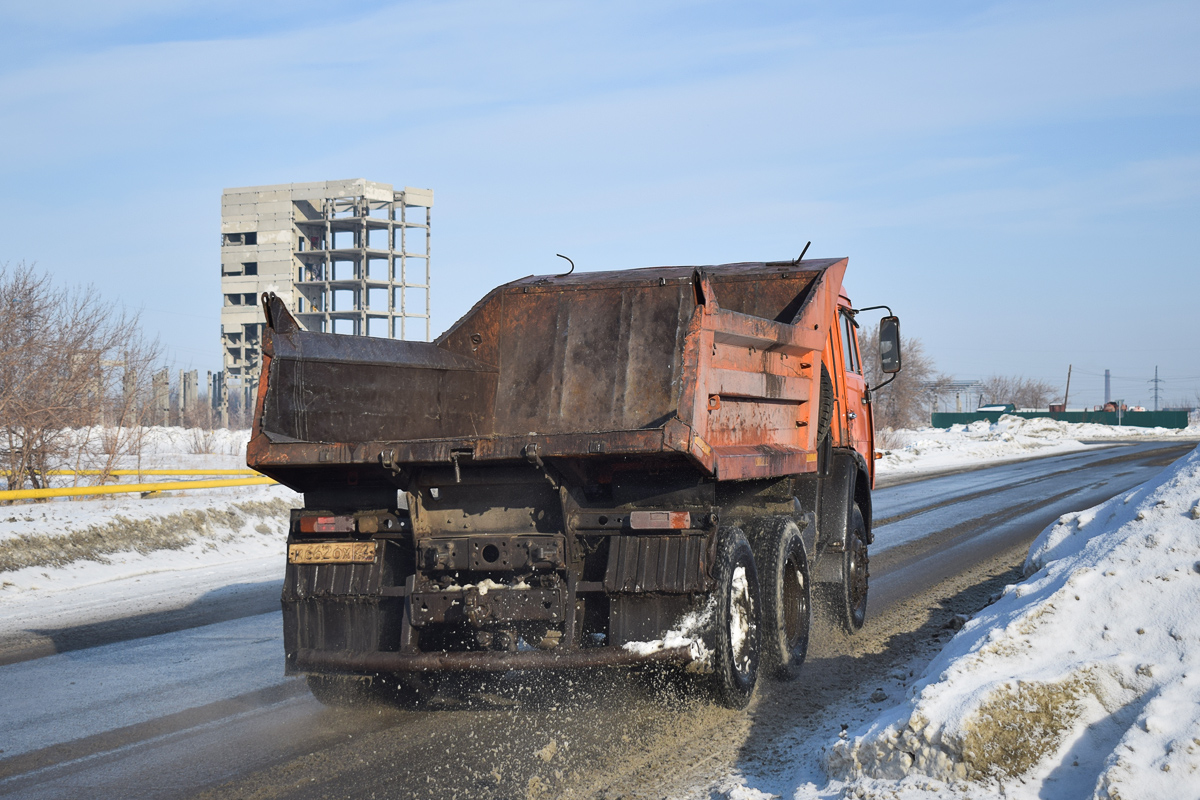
203, 707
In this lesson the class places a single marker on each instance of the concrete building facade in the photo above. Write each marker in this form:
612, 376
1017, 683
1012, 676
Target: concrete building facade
348, 256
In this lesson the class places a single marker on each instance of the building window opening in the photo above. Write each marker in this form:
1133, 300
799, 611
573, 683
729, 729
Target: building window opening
414, 300
249, 267
343, 300
377, 300
377, 238
377, 269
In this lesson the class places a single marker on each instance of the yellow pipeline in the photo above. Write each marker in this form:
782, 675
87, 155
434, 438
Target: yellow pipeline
153, 472
164, 486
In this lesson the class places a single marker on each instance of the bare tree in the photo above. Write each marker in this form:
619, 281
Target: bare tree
68, 366
1021, 392
904, 402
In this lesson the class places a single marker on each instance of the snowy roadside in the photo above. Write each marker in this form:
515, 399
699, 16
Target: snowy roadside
203, 543
68, 563
930, 450
1081, 681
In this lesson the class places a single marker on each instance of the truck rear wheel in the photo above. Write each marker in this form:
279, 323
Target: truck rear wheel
847, 600
731, 632
786, 597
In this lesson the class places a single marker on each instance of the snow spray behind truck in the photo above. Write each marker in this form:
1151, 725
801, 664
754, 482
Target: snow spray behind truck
593, 469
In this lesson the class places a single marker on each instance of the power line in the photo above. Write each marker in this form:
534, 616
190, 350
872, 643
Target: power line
1156, 381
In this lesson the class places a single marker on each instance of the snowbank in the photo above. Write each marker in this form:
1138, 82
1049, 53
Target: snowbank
1082, 681
1009, 438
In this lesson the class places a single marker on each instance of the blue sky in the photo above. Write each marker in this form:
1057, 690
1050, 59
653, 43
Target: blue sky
1020, 181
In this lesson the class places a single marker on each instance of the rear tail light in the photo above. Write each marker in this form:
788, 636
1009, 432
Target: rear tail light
327, 524
660, 520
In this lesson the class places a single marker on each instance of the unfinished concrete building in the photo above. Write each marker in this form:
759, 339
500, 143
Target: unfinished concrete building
349, 257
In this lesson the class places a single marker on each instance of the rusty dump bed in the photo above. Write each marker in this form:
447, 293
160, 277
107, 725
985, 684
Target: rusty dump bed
715, 365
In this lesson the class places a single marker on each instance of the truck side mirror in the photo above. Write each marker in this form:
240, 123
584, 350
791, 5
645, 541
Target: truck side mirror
889, 344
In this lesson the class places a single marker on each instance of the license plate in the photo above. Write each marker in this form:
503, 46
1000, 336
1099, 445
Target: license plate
332, 553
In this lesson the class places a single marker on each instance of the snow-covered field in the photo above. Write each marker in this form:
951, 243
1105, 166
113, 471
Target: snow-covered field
70, 562
913, 452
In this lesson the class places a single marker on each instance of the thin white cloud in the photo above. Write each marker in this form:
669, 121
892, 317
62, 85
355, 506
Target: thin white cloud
482, 64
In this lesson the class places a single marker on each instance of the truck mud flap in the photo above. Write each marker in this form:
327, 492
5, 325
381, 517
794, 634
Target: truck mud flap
672, 564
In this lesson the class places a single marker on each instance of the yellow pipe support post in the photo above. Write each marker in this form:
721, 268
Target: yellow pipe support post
163, 486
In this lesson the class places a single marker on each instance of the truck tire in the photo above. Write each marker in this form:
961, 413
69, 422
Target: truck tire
731, 631
825, 410
786, 597
847, 600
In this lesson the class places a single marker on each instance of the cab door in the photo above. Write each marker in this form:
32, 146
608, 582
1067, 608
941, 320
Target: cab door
856, 416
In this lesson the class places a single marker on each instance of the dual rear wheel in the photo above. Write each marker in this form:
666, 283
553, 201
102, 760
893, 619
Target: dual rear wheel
761, 610
787, 598
730, 631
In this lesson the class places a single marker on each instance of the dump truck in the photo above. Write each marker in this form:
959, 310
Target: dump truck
662, 466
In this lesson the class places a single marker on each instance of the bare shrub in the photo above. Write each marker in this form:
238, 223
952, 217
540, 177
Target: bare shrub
202, 441
70, 367
903, 403
1021, 392
888, 439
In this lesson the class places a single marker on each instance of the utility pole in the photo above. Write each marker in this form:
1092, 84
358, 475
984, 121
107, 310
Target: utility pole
1067, 393
1156, 381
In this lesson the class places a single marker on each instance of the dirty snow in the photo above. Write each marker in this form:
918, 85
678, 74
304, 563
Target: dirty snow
1083, 681
686, 633
1010, 438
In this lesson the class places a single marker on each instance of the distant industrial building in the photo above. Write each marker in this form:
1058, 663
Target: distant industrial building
348, 256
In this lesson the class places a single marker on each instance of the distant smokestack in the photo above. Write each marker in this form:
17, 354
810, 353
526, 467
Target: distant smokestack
1107, 387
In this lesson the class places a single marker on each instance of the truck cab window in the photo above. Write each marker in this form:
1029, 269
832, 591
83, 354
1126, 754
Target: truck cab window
850, 345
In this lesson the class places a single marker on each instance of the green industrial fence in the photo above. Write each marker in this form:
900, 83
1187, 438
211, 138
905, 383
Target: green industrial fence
1135, 419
